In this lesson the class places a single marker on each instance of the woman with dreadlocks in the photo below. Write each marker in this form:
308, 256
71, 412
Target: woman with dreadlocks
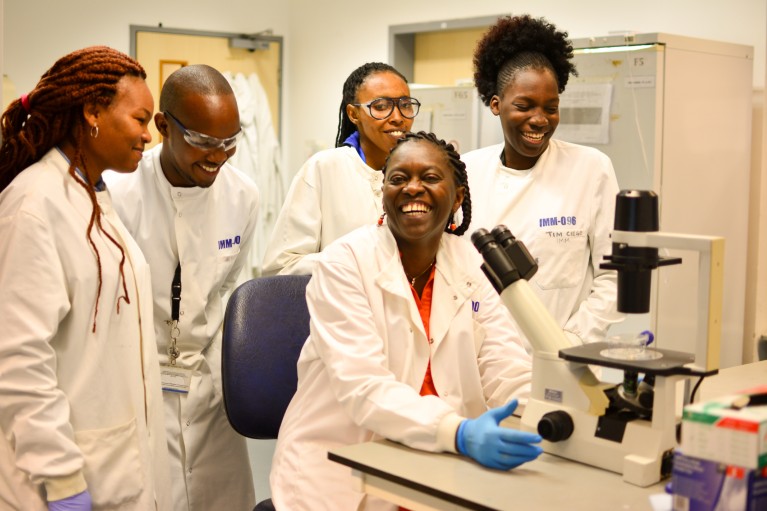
339, 189
557, 197
409, 341
82, 417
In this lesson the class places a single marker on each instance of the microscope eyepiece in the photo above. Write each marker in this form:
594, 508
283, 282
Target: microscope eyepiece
480, 238
517, 252
497, 266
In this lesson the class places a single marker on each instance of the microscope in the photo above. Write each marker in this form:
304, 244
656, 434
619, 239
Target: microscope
628, 428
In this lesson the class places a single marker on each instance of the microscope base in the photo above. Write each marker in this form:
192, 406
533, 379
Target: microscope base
639, 449
642, 456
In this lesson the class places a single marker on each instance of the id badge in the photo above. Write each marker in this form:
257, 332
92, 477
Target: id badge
175, 379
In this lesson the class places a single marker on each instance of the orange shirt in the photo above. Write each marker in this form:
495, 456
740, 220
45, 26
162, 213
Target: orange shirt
424, 309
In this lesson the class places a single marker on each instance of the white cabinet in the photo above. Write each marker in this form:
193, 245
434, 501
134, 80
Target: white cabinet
679, 123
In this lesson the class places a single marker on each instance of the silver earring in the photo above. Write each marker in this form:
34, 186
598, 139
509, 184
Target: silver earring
95, 131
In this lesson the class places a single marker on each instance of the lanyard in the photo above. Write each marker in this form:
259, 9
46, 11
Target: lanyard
175, 306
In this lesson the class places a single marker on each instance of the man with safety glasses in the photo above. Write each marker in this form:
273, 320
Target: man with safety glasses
193, 215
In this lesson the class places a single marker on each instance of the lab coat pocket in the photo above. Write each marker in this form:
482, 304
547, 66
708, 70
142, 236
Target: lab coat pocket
112, 465
560, 255
224, 261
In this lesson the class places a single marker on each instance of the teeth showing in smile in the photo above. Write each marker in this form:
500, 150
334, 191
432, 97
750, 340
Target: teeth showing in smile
533, 136
416, 207
396, 133
209, 168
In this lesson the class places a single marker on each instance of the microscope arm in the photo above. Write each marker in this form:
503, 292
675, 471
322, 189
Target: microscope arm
535, 321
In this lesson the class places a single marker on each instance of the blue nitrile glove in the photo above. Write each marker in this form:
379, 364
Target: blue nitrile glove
79, 502
495, 446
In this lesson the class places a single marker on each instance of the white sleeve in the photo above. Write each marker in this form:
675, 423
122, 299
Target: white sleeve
344, 335
599, 310
295, 241
34, 411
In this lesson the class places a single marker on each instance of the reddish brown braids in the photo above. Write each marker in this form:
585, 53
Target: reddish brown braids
52, 113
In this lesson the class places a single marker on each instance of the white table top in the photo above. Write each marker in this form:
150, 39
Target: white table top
549, 482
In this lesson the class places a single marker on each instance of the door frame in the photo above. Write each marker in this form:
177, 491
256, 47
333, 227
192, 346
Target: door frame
236, 39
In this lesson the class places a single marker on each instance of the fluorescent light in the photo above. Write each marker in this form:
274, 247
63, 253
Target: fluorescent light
613, 49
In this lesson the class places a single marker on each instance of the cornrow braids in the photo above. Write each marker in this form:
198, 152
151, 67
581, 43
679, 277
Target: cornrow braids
516, 43
352, 84
52, 113
459, 174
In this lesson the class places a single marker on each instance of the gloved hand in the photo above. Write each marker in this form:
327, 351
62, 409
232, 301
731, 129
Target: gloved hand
79, 502
495, 446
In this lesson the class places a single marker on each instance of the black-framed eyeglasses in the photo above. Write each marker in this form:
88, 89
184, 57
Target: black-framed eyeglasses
203, 141
382, 108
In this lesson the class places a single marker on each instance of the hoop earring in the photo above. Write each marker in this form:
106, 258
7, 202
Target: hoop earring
381, 219
95, 131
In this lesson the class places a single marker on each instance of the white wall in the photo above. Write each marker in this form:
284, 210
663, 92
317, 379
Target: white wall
326, 40
37, 32
332, 37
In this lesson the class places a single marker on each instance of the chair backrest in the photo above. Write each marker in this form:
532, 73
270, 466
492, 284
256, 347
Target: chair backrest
265, 326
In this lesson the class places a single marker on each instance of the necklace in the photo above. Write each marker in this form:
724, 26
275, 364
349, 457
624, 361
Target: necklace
412, 280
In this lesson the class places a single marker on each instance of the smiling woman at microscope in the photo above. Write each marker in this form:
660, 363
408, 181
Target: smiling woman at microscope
557, 197
408, 341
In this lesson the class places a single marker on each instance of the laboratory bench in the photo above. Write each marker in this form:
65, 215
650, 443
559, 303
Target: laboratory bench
420, 480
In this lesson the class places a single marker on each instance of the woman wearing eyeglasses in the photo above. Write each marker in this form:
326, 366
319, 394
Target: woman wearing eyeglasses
338, 190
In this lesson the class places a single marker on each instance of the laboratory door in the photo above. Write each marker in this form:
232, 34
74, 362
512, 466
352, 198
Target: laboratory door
163, 50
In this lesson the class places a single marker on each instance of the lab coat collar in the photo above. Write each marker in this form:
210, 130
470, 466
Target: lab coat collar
391, 278
452, 284
175, 192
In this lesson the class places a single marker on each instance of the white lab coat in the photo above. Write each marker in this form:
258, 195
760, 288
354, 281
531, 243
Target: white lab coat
361, 370
211, 229
333, 193
75, 403
563, 210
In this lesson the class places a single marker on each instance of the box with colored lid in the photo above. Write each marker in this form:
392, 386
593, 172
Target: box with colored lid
730, 429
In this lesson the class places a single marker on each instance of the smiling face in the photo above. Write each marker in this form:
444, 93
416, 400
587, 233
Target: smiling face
378, 136
215, 115
122, 128
529, 113
419, 194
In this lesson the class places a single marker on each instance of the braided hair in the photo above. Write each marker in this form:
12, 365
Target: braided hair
52, 114
517, 43
459, 174
352, 84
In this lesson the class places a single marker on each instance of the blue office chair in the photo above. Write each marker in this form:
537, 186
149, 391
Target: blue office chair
265, 326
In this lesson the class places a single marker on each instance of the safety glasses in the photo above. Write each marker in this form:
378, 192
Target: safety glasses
203, 141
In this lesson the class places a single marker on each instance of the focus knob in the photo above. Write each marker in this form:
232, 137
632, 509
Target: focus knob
556, 426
